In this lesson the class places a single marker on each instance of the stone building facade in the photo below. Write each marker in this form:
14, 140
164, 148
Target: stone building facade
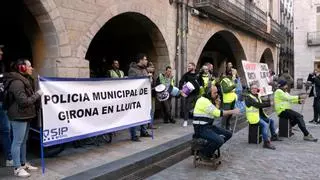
286, 48
307, 37
69, 37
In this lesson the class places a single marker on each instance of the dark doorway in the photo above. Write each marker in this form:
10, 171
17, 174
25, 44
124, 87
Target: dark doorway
121, 38
221, 48
15, 18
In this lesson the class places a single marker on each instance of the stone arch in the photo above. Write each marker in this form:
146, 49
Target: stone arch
155, 17
160, 55
230, 39
51, 42
267, 57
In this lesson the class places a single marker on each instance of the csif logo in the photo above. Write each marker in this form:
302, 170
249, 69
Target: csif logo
55, 133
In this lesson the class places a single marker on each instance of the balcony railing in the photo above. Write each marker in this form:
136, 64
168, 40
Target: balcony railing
245, 16
277, 31
313, 38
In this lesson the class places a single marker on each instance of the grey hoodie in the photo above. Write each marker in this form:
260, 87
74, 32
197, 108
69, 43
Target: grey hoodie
22, 97
136, 70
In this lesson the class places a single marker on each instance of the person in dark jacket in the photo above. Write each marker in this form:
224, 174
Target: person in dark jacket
139, 68
21, 111
314, 78
4, 122
151, 73
192, 77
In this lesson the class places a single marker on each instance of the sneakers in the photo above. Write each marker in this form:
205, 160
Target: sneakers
185, 123
312, 121
28, 166
268, 145
310, 138
21, 172
9, 163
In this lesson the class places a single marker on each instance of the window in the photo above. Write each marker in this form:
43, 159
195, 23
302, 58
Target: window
318, 9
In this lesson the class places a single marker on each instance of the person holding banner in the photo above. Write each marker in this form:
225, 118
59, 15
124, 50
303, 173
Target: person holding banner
282, 104
204, 113
256, 115
21, 111
139, 68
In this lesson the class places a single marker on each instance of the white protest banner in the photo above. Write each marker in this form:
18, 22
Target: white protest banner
79, 108
257, 73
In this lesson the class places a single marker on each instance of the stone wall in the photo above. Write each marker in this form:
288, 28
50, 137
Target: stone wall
68, 26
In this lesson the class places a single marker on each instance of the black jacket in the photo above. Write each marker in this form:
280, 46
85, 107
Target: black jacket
251, 102
315, 90
2, 74
22, 106
192, 78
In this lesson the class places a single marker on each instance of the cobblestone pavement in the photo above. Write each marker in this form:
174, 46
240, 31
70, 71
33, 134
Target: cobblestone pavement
75, 160
294, 158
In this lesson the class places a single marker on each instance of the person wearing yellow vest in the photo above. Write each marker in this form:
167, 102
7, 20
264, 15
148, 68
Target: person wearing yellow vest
115, 72
256, 115
204, 113
229, 97
166, 106
204, 79
282, 103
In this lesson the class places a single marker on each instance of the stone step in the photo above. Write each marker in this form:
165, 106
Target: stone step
146, 163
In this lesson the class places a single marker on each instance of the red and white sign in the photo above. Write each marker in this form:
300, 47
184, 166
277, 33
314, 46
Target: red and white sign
257, 73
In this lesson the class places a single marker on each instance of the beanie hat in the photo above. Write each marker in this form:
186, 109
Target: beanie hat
282, 83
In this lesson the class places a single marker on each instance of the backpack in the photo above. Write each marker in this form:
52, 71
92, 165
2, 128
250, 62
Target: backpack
7, 97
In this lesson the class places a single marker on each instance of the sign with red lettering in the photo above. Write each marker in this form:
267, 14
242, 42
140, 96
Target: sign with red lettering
257, 73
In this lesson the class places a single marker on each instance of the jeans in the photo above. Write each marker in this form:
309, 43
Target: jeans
226, 119
271, 125
133, 133
316, 108
295, 118
212, 134
5, 133
265, 128
20, 131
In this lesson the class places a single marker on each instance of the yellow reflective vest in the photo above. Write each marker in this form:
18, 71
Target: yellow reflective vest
283, 101
205, 79
229, 96
205, 110
113, 74
252, 113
